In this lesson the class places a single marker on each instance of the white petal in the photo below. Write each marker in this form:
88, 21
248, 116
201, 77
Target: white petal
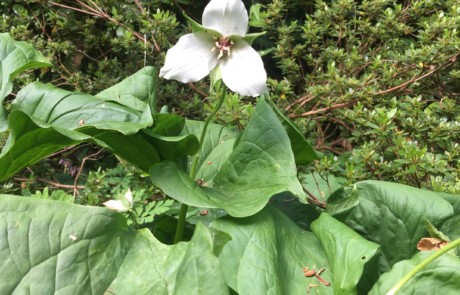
116, 205
191, 59
243, 71
228, 17
129, 197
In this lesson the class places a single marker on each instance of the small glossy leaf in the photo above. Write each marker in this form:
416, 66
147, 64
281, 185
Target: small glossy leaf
392, 215
442, 276
197, 27
267, 255
252, 36
347, 252
260, 166
15, 58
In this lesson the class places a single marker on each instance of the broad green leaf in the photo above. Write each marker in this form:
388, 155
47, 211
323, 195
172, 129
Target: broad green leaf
338, 204
451, 227
135, 92
434, 232
29, 143
303, 151
300, 213
392, 215
267, 255
185, 268
43, 116
173, 147
54, 247
260, 166
72, 110
169, 139
45, 119
321, 186
347, 252
216, 148
442, 276
168, 124
15, 58
135, 148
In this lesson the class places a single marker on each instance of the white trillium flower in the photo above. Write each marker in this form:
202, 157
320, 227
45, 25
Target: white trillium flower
122, 205
220, 43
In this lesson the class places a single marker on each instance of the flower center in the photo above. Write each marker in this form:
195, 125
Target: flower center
223, 45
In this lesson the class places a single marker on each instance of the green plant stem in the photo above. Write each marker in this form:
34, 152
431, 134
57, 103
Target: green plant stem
423, 264
193, 170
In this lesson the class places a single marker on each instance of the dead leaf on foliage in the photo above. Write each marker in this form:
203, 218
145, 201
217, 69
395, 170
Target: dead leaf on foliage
308, 272
428, 244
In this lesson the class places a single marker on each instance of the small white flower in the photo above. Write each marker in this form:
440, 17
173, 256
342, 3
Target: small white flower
221, 43
122, 205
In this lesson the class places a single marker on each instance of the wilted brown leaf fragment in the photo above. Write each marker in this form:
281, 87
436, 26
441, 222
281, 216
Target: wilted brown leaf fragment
308, 272
312, 272
428, 244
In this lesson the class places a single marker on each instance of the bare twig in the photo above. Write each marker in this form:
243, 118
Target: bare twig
52, 183
90, 157
309, 113
306, 98
416, 78
323, 281
139, 5
194, 88
99, 12
313, 200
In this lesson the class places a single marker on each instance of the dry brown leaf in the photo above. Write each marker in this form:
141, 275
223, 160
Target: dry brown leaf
428, 244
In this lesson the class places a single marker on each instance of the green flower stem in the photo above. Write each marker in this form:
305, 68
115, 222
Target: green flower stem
423, 264
193, 170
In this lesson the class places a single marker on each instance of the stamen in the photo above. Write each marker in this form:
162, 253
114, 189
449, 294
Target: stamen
223, 45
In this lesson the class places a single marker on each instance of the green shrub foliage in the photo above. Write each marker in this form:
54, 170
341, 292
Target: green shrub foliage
376, 82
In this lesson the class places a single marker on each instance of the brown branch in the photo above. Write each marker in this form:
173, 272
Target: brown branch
99, 12
194, 88
323, 281
139, 5
90, 157
313, 200
309, 113
53, 183
74, 8
304, 99
417, 78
